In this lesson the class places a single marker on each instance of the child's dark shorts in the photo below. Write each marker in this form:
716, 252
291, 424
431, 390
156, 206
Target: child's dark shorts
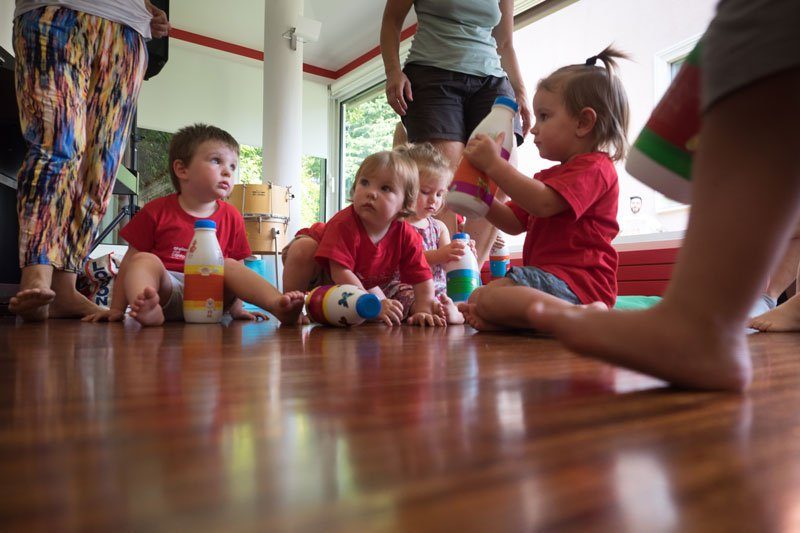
536, 278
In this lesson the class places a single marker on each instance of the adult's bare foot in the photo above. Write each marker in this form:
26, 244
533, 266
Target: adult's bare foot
32, 304
672, 345
72, 304
146, 308
785, 317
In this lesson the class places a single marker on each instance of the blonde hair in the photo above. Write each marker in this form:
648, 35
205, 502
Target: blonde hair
599, 88
404, 170
430, 162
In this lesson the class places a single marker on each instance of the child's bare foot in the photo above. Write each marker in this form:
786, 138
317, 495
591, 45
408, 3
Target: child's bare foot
450, 312
146, 308
673, 345
289, 307
470, 313
32, 304
72, 304
785, 317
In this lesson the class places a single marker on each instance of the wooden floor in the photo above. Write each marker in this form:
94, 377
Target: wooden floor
248, 427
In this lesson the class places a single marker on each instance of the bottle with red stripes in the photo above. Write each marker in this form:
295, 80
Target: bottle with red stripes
204, 275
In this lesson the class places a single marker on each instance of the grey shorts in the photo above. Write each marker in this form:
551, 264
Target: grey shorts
748, 40
448, 105
536, 278
173, 308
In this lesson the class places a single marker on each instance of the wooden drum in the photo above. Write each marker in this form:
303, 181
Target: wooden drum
257, 199
266, 235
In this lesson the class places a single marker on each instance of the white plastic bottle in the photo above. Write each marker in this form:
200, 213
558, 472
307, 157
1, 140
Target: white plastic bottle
204, 272
463, 275
499, 258
471, 192
341, 305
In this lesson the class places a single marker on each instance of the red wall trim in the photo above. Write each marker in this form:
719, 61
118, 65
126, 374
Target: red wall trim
209, 42
375, 52
319, 71
224, 46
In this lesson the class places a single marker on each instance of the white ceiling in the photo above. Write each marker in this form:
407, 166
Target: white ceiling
350, 28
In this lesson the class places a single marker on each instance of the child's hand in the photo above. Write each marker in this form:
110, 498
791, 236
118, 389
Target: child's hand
427, 314
453, 251
391, 312
104, 315
472, 247
483, 151
427, 319
240, 314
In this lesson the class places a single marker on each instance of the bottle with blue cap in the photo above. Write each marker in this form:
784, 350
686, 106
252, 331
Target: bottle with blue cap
471, 193
341, 305
463, 275
204, 275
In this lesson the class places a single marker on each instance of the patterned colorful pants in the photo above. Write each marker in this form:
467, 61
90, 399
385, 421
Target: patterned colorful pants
78, 77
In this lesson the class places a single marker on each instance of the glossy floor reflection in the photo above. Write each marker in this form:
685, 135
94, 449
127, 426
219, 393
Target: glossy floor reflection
249, 427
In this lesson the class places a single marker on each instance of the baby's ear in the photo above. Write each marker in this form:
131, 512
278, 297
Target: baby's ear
587, 118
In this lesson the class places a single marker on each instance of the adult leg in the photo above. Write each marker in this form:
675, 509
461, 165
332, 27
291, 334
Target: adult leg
247, 285
786, 271
695, 336
50, 94
33, 299
785, 317
117, 68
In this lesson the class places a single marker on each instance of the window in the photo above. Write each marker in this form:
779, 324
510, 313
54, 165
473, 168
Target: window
312, 181
367, 127
671, 215
312, 201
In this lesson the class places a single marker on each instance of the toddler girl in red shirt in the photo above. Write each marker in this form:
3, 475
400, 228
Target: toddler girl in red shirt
569, 211
365, 243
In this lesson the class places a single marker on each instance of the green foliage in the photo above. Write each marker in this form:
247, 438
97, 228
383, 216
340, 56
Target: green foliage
369, 126
312, 177
251, 164
153, 150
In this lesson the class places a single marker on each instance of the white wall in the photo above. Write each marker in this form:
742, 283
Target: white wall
643, 28
6, 14
199, 84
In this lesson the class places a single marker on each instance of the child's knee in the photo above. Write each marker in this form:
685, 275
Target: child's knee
143, 261
302, 251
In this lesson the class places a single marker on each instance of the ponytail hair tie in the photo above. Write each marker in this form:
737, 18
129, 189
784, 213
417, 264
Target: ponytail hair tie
591, 61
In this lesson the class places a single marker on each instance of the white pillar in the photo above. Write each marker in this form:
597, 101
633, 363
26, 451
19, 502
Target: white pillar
283, 102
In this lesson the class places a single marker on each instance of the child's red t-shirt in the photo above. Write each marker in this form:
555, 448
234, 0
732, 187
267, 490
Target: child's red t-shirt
315, 231
345, 241
575, 245
164, 229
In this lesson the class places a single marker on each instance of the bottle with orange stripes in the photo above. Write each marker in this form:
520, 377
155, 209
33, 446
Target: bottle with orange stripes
204, 272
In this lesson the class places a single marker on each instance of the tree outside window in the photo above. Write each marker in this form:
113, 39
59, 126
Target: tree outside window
369, 124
